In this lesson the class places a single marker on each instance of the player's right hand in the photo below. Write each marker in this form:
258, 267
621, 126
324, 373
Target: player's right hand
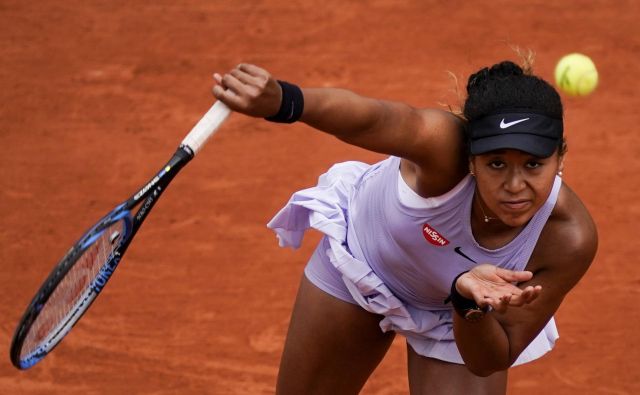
250, 90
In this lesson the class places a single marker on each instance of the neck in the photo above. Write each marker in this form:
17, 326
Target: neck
482, 212
490, 232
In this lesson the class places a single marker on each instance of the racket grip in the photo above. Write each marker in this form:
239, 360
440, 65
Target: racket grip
206, 127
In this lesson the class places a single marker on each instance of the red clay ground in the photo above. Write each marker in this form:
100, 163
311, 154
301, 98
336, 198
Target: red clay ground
95, 95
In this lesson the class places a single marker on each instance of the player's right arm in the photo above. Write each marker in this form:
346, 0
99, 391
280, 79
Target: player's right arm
429, 138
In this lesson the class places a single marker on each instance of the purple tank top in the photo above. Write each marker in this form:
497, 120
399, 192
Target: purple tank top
417, 252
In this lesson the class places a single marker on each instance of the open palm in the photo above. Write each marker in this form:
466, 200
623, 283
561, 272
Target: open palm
492, 286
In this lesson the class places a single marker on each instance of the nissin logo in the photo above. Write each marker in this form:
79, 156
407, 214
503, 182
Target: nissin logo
433, 237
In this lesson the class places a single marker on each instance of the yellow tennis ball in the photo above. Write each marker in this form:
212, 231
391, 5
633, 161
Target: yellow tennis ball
576, 74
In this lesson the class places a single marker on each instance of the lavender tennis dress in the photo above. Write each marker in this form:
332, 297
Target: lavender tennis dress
395, 253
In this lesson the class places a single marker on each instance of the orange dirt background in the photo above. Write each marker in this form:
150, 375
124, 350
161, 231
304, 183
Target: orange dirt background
95, 96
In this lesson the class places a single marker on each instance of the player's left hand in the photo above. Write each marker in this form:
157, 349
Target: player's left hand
492, 286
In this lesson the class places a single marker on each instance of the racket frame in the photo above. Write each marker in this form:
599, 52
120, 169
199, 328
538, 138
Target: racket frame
147, 197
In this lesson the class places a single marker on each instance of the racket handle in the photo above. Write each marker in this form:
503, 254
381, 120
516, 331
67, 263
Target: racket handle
206, 127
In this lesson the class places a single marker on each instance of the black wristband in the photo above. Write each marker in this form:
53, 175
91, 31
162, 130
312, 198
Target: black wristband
291, 106
466, 308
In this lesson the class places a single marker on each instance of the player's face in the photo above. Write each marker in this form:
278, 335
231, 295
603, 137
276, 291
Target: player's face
513, 184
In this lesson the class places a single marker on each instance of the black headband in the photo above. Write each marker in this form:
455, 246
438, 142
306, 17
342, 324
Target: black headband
530, 132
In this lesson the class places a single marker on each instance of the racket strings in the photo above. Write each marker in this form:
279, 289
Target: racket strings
70, 296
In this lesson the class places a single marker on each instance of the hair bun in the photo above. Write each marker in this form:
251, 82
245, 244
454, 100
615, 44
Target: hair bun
477, 79
497, 71
505, 69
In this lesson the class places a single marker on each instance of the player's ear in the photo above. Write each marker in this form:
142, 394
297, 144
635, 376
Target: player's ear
560, 164
472, 167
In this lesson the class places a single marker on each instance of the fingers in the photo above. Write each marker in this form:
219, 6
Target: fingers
224, 92
243, 77
253, 70
234, 90
507, 295
500, 302
528, 295
513, 276
258, 81
248, 89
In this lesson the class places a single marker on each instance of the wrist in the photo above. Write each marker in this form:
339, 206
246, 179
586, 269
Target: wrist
463, 306
291, 104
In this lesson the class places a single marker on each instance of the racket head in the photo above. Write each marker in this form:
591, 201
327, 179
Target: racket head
70, 288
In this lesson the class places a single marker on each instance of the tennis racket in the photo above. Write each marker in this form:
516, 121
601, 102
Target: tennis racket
82, 273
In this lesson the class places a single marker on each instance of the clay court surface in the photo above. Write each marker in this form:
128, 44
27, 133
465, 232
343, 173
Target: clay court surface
96, 95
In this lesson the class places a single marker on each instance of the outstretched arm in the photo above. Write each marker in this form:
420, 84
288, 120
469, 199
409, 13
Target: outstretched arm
388, 127
564, 252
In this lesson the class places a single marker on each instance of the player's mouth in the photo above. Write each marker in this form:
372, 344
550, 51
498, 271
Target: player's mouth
516, 205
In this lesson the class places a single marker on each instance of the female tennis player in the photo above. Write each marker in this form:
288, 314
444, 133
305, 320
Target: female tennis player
465, 240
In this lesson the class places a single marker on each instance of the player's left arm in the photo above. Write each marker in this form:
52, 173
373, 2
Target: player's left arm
563, 254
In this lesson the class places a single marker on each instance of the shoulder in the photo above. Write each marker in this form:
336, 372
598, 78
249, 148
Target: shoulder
438, 159
438, 123
432, 129
569, 240
572, 225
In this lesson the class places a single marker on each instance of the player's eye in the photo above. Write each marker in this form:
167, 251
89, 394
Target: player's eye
496, 164
533, 164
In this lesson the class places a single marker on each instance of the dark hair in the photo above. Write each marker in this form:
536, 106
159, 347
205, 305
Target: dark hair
506, 86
